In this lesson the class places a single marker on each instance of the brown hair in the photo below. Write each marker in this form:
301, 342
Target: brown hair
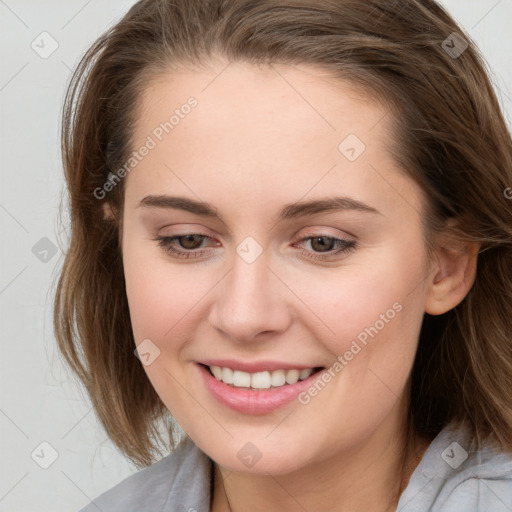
449, 136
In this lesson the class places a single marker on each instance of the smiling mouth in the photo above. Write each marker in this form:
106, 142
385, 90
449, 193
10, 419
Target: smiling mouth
260, 380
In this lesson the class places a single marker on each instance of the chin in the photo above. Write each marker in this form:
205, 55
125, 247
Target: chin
258, 457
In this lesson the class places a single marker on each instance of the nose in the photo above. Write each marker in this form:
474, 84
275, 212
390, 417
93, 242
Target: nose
251, 302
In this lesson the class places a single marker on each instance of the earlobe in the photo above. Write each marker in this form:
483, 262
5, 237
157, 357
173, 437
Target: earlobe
453, 277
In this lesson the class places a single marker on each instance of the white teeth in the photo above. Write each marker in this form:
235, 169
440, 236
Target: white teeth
241, 379
259, 380
278, 378
217, 371
304, 374
292, 376
227, 375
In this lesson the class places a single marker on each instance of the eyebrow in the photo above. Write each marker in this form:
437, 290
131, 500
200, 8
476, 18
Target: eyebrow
289, 211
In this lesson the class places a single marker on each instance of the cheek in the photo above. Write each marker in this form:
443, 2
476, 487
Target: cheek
161, 302
371, 317
150, 297
164, 298
362, 301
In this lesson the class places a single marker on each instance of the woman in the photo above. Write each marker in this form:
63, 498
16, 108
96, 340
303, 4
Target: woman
291, 236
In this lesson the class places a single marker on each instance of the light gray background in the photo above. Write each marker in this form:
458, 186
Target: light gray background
40, 401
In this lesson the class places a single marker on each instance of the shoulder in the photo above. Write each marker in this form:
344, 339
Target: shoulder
179, 481
454, 475
483, 483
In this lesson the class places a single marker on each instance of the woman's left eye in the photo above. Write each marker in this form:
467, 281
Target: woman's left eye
334, 246
191, 242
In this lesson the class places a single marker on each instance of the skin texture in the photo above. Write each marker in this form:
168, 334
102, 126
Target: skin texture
260, 138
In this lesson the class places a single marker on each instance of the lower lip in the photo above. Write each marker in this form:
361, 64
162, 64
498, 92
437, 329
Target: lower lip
248, 401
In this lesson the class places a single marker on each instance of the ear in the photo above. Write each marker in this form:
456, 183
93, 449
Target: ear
108, 212
455, 264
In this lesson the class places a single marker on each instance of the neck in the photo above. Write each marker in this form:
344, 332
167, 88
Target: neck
369, 476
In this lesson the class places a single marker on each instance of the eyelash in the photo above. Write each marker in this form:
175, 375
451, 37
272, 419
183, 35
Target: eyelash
344, 246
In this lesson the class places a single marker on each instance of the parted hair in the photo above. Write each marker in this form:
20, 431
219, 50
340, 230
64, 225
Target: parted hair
448, 134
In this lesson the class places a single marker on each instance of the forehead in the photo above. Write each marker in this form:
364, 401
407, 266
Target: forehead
264, 131
265, 93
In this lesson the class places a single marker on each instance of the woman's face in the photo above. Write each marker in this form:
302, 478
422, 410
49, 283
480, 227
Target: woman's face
267, 283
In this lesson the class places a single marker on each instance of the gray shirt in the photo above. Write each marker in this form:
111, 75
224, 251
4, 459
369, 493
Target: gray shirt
451, 477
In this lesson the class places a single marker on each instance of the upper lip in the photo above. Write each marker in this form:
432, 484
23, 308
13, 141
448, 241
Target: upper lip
256, 366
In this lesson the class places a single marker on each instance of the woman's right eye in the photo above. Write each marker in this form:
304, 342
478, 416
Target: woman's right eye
190, 239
